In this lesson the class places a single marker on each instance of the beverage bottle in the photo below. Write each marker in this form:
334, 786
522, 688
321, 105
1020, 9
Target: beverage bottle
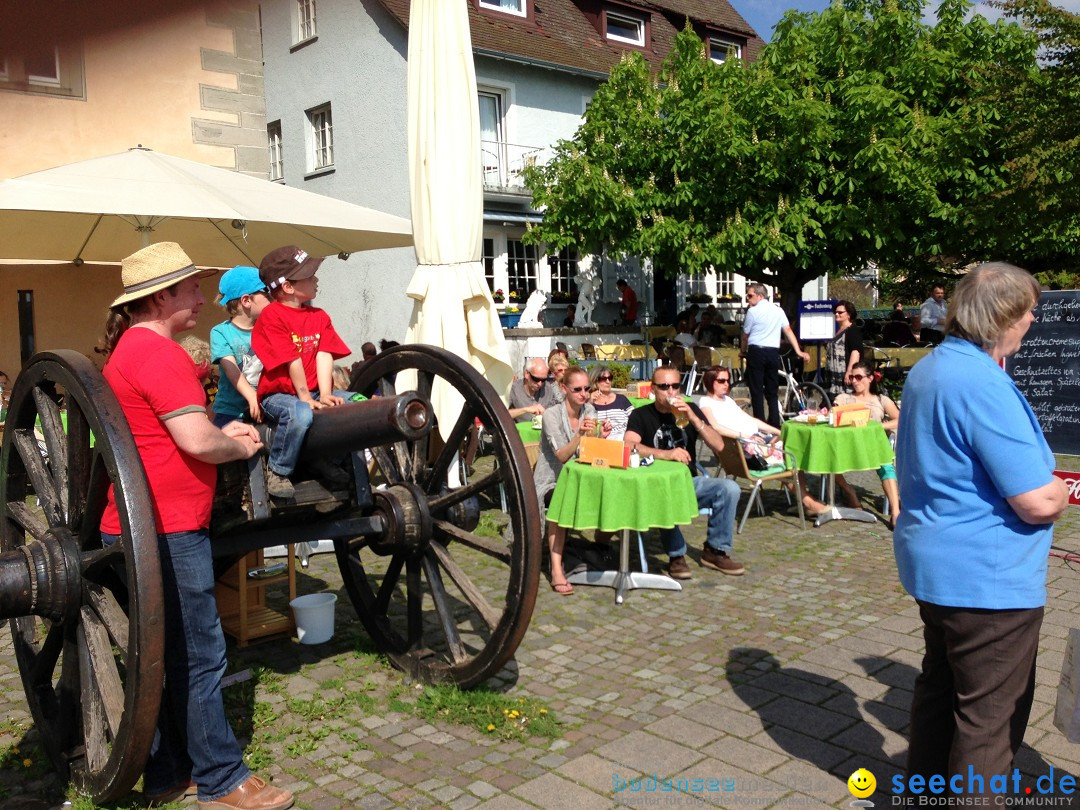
635, 459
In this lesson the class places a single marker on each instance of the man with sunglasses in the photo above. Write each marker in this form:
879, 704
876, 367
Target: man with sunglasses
531, 395
653, 429
762, 326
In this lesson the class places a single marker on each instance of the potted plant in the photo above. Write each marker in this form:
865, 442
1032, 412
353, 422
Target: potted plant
562, 297
699, 298
498, 297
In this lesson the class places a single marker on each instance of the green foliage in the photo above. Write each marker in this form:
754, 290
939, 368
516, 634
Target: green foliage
862, 134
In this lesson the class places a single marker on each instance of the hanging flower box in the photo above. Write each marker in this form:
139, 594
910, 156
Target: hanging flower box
509, 319
699, 298
498, 297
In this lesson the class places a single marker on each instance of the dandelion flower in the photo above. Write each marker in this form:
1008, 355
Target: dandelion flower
26, 763
543, 711
491, 726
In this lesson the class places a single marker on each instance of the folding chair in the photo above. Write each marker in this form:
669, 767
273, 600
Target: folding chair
733, 462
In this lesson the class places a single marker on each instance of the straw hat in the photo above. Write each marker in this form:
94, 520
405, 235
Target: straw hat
154, 268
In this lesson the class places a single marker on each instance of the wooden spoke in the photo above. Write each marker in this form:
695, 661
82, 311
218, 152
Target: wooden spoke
478, 485
111, 615
389, 583
103, 555
106, 676
52, 428
445, 613
404, 461
47, 655
93, 507
35, 468
465, 585
387, 465
414, 603
446, 531
437, 474
80, 460
93, 709
28, 520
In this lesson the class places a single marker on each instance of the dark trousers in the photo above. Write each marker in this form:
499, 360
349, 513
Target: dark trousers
763, 379
973, 698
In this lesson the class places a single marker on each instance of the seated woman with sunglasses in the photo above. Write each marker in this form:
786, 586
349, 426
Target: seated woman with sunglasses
610, 407
560, 435
757, 437
884, 410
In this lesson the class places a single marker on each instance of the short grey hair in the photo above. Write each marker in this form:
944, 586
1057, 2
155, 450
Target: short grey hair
532, 364
988, 300
758, 289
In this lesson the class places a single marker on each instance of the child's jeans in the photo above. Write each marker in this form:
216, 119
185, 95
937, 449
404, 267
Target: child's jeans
291, 419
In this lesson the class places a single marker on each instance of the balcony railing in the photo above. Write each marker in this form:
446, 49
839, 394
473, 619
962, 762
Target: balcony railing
501, 164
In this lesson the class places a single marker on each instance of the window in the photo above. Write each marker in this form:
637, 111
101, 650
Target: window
624, 28
721, 49
516, 7
521, 267
27, 346
492, 138
564, 268
305, 19
725, 283
277, 160
487, 257
321, 128
46, 69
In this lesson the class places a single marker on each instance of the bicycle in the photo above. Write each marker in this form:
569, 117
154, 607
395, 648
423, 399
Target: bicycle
799, 396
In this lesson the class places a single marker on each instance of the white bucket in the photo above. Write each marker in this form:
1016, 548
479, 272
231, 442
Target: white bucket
314, 614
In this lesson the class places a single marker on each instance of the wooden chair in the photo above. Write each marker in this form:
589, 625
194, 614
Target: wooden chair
733, 462
677, 360
588, 351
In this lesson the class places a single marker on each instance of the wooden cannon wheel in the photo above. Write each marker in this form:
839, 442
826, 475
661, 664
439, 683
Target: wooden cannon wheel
91, 657
449, 602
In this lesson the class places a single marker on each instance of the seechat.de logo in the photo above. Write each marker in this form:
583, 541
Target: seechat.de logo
862, 784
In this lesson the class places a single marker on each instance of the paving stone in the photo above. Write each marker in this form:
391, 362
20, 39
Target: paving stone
554, 792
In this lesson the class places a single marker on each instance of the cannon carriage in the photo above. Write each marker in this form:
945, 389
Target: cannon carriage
447, 603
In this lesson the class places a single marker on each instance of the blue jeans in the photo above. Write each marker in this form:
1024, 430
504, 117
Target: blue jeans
193, 738
722, 496
291, 419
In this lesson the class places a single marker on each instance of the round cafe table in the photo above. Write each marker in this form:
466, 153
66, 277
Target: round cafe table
826, 450
611, 499
530, 437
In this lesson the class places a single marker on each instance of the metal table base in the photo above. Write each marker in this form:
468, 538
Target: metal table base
842, 512
624, 579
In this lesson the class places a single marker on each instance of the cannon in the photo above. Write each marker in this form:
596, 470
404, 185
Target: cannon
445, 602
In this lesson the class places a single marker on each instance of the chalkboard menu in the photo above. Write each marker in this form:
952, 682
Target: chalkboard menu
1047, 369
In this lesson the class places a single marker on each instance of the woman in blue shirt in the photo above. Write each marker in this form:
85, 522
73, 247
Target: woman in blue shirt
972, 541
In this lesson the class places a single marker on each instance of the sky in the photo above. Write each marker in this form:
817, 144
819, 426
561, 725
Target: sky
763, 15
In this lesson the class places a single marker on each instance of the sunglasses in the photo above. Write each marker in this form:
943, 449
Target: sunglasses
860, 376
578, 389
667, 386
603, 377
536, 379
723, 380
840, 312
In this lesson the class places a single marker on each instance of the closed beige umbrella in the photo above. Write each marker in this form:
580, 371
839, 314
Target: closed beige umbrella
106, 208
453, 307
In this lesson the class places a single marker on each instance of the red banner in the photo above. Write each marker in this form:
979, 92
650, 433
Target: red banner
1072, 481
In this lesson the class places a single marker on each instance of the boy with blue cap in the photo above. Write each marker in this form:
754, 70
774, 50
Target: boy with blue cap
244, 296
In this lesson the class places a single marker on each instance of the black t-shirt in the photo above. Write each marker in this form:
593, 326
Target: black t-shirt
658, 430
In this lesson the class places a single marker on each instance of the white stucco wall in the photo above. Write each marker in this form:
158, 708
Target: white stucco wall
357, 64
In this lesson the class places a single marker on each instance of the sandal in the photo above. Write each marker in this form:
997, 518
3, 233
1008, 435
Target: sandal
562, 588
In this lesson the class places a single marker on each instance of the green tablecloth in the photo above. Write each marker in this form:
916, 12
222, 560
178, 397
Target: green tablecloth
611, 499
822, 449
527, 432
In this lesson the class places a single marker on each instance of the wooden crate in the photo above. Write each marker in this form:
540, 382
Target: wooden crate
241, 599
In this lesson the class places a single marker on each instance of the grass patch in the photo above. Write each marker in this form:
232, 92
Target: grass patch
488, 712
489, 526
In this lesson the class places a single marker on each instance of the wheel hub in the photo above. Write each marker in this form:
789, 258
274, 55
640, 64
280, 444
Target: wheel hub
408, 522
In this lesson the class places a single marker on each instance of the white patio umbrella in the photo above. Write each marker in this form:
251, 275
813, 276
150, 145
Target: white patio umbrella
103, 209
453, 307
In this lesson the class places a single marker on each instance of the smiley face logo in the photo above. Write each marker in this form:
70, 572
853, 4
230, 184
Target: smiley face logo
861, 783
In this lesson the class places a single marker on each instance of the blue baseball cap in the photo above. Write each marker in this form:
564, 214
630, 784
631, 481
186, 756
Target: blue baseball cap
241, 280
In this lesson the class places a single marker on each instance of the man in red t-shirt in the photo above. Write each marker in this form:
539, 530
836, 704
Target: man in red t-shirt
159, 392
297, 345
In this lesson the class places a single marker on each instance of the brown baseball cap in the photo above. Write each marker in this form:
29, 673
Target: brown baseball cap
289, 263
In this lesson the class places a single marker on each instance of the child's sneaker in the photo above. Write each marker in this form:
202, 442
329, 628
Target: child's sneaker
278, 485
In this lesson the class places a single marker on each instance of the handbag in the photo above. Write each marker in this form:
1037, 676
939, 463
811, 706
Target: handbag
756, 463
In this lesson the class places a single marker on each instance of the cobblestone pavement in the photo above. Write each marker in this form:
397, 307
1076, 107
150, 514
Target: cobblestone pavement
762, 690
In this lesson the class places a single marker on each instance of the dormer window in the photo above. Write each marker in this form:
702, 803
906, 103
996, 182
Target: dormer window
516, 7
721, 49
620, 27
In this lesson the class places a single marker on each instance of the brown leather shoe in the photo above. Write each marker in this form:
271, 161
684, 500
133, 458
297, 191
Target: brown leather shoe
253, 794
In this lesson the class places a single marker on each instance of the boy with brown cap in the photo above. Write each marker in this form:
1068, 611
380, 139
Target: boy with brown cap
297, 345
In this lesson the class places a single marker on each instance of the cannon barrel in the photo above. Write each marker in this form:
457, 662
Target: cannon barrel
374, 422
